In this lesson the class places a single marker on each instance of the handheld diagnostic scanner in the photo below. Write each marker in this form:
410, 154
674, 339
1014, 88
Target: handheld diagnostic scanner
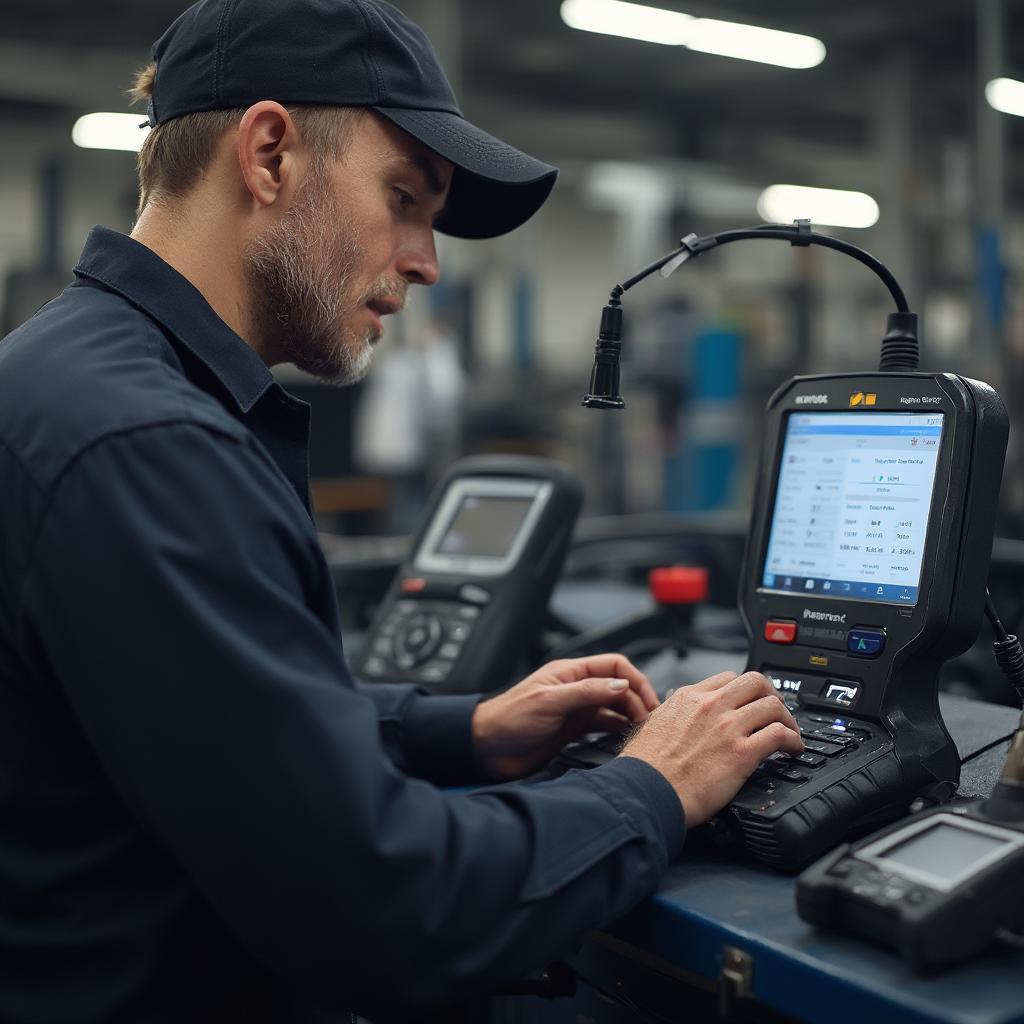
463, 606
865, 570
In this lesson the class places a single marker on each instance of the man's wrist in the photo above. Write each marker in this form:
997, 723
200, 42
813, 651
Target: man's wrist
484, 728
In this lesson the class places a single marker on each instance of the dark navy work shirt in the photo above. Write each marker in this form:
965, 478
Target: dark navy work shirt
202, 816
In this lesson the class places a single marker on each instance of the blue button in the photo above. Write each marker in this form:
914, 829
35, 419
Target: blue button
868, 642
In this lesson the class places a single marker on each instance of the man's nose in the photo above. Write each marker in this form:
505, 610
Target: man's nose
417, 262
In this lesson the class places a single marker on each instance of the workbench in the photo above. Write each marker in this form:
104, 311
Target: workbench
724, 935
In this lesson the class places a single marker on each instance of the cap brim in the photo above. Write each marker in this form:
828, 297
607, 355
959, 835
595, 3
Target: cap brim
495, 187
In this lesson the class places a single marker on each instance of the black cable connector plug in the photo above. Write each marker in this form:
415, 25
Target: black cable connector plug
604, 378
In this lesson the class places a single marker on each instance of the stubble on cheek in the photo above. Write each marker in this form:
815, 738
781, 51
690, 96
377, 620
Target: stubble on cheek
301, 273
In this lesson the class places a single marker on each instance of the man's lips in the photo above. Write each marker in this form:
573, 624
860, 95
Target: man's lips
386, 305
383, 307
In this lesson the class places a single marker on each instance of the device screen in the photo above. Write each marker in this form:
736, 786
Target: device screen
944, 852
484, 526
852, 505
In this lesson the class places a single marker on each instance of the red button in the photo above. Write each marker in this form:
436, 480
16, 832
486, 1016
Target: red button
780, 631
679, 584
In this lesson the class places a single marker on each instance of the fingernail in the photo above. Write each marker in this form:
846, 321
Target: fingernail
618, 685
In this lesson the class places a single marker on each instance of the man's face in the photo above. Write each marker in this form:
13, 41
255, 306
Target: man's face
359, 231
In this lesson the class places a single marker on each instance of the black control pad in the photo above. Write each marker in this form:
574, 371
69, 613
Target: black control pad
421, 640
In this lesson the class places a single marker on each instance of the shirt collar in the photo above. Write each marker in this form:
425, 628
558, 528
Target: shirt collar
133, 270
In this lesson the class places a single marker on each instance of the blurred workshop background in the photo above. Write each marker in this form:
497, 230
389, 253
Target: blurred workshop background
664, 122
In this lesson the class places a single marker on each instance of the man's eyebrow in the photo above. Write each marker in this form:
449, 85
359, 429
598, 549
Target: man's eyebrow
435, 183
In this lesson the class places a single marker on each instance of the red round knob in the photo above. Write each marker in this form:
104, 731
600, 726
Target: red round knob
679, 584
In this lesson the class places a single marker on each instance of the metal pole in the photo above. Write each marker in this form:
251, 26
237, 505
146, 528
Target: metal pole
894, 142
990, 191
51, 214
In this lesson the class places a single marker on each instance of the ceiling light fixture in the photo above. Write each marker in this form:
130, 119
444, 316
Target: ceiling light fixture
825, 206
1006, 95
110, 131
673, 28
748, 42
632, 21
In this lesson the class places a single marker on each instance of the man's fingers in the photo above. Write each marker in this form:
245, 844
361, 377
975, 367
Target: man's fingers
715, 682
598, 692
773, 737
606, 720
759, 713
619, 667
629, 703
746, 688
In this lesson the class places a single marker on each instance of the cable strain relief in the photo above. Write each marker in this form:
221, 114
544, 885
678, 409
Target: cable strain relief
900, 348
1010, 657
611, 323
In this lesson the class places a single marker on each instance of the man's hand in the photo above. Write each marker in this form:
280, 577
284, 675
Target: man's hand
522, 729
708, 738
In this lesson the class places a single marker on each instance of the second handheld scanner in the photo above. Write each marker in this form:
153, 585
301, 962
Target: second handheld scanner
865, 570
476, 583
937, 887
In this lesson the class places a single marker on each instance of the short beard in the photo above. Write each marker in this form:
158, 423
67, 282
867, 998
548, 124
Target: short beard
300, 276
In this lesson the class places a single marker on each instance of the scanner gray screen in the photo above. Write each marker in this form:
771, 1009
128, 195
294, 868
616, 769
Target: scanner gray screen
943, 850
484, 526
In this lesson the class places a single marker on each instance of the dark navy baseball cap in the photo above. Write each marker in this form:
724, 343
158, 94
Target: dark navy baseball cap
222, 54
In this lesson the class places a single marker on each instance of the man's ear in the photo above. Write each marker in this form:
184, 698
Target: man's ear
268, 151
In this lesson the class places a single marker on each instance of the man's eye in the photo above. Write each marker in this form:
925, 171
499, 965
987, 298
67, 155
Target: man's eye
405, 199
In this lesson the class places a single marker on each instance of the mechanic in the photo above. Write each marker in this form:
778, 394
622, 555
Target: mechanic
204, 817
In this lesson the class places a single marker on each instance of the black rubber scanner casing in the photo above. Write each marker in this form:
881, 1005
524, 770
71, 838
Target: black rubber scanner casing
912, 753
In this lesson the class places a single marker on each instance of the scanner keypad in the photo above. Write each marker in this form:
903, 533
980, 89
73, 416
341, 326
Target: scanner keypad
829, 741
420, 640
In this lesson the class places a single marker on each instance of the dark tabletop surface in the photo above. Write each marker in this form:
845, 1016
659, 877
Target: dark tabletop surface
705, 904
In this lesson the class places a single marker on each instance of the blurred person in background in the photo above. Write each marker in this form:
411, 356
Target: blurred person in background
409, 421
204, 817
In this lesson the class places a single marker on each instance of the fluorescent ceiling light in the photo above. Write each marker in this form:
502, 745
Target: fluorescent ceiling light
633, 21
1006, 95
672, 28
782, 204
764, 45
110, 131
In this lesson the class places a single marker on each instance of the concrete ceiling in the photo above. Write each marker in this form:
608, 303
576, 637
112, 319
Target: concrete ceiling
570, 94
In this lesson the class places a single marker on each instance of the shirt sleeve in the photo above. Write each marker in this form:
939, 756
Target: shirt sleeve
171, 587
427, 735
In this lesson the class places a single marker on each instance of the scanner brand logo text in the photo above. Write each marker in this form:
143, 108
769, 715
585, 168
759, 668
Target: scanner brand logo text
863, 398
824, 617
811, 399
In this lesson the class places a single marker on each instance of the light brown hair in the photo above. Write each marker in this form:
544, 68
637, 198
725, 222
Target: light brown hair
178, 152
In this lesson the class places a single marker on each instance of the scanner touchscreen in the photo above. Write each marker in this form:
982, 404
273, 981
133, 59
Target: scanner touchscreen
852, 505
